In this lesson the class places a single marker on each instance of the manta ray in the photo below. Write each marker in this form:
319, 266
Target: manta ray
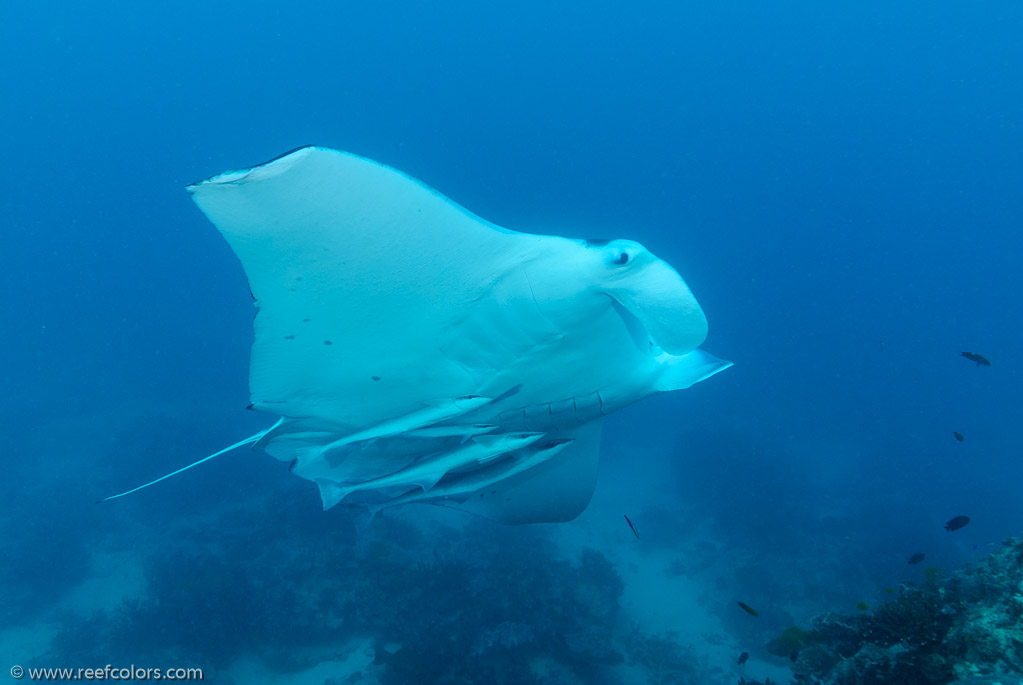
415, 352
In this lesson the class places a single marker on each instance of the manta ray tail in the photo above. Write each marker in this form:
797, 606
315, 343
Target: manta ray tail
247, 441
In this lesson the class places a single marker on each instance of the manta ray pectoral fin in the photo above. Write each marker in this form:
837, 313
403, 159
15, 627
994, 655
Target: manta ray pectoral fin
679, 373
247, 441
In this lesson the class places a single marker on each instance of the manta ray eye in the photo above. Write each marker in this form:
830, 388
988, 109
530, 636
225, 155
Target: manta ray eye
622, 258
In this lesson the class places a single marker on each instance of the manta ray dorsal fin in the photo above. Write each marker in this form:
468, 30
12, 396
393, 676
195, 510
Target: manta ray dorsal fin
241, 443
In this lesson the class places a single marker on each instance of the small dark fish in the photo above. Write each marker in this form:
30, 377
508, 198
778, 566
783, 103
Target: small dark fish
634, 531
748, 609
916, 558
862, 606
794, 657
743, 658
979, 358
957, 523
890, 590
958, 435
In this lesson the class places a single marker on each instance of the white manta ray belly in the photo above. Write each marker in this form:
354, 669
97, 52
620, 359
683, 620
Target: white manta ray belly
397, 334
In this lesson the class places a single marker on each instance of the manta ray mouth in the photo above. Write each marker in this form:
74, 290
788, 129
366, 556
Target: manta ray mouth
641, 337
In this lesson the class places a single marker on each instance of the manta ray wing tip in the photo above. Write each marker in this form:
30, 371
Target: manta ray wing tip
257, 171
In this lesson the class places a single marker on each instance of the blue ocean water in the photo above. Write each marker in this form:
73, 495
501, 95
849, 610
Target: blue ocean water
838, 184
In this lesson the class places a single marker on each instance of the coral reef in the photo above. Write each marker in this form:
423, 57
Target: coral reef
665, 661
483, 614
792, 641
967, 627
479, 604
41, 554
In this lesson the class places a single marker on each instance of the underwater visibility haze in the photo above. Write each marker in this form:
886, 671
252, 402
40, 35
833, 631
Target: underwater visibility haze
838, 185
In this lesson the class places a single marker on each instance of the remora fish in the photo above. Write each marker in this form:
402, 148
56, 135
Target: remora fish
477, 480
426, 472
